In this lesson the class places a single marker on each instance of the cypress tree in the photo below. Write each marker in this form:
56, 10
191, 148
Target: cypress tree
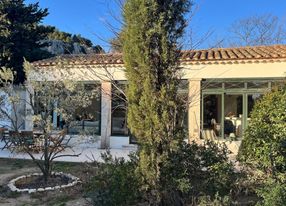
151, 56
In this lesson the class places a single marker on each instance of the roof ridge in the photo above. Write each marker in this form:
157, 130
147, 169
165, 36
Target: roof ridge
234, 47
201, 55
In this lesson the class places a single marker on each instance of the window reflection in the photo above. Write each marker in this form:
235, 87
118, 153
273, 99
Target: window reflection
234, 85
86, 119
212, 116
119, 109
239, 96
257, 85
252, 99
233, 115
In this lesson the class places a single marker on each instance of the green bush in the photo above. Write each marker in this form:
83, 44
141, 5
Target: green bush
200, 170
216, 201
114, 182
264, 143
273, 194
190, 173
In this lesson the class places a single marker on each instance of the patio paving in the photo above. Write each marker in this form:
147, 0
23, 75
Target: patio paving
88, 151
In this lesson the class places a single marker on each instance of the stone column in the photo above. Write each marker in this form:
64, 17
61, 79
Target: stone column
55, 116
194, 119
106, 95
29, 95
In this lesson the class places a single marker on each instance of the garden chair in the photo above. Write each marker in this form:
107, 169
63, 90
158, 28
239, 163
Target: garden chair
4, 137
27, 139
14, 140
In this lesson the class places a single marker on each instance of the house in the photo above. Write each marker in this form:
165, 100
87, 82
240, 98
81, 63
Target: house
221, 84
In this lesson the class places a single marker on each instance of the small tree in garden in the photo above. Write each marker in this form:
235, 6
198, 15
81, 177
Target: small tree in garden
264, 144
151, 56
41, 99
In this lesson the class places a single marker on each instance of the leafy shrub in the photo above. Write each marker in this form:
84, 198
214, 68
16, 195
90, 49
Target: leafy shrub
273, 193
191, 172
216, 201
196, 170
114, 182
264, 144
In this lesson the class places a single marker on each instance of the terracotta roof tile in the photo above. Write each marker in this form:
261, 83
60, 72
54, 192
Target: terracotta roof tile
193, 56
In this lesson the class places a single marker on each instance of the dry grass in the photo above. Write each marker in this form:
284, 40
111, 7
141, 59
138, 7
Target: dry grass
10, 168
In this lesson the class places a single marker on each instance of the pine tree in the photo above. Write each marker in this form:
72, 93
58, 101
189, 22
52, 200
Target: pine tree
151, 56
21, 34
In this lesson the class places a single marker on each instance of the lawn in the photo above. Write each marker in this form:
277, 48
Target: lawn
10, 168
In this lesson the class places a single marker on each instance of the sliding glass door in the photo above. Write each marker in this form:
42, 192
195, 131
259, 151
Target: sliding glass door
212, 116
233, 115
226, 106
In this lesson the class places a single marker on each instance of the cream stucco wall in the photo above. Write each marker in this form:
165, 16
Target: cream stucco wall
194, 114
189, 71
79, 73
235, 70
193, 72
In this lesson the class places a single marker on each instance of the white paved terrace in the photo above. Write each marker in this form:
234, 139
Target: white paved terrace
88, 151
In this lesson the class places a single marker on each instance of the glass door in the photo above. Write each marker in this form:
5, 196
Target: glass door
233, 115
211, 116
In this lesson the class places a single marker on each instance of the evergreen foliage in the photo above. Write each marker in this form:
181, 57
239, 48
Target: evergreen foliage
70, 41
197, 170
20, 35
113, 181
60, 35
192, 174
69, 38
273, 193
151, 55
264, 144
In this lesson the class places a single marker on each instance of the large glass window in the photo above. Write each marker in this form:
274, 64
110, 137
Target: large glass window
233, 115
257, 85
212, 116
86, 119
119, 109
211, 85
227, 105
234, 85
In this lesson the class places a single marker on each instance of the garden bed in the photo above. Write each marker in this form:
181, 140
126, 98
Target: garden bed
12, 168
36, 183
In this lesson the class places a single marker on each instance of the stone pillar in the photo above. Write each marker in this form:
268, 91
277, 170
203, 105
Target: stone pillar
106, 95
194, 119
29, 95
55, 116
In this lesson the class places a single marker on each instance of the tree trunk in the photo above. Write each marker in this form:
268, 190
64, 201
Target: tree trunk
46, 172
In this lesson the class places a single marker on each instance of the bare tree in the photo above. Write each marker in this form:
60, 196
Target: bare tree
257, 30
43, 96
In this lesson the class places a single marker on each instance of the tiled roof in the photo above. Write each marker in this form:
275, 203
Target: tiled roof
249, 54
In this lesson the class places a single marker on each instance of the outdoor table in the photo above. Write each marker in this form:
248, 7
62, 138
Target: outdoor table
26, 137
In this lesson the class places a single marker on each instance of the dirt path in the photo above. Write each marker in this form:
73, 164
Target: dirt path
14, 199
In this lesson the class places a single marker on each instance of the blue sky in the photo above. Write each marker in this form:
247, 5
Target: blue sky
91, 17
